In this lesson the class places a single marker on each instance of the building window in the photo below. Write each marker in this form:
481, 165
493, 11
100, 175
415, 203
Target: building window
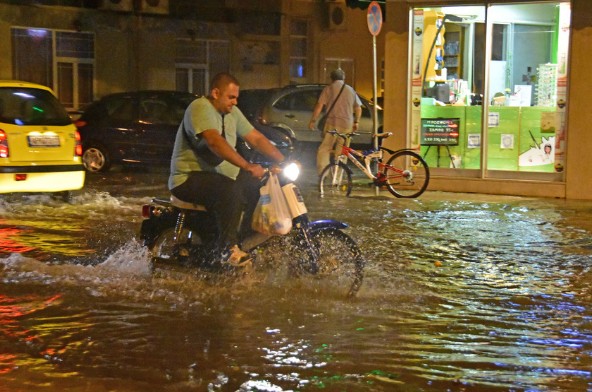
70, 72
298, 49
260, 23
32, 55
75, 65
197, 61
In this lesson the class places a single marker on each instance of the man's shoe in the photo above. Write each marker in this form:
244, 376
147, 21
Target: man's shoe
237, 258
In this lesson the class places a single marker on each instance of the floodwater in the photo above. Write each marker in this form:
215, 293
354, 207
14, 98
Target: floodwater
462, 293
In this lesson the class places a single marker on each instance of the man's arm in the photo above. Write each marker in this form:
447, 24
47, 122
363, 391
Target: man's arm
219, 146
315, 115
357, 115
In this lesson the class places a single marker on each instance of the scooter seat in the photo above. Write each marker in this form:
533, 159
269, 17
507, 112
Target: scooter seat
185, 205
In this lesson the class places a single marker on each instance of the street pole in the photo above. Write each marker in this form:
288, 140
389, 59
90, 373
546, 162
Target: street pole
374, 17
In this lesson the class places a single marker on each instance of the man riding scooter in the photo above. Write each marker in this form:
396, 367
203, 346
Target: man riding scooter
206, 169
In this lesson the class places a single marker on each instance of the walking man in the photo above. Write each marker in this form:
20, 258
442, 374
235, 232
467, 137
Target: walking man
343, 109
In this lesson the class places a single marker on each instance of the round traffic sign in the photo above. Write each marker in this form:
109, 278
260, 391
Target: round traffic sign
374, 18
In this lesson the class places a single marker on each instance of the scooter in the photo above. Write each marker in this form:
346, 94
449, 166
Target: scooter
182, 233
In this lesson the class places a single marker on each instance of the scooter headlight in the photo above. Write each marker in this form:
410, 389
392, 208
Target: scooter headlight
291, 171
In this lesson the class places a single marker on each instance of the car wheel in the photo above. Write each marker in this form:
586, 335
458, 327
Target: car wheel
96, 159
65, 196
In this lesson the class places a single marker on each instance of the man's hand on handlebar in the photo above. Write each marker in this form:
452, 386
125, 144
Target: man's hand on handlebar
259, 171
256, 170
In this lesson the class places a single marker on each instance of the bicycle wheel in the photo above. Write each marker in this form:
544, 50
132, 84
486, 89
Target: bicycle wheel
339, 262
406, 174
335, 180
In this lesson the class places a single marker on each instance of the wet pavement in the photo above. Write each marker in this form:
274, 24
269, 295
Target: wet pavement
463, 292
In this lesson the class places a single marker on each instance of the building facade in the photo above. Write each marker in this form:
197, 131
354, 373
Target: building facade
85, 49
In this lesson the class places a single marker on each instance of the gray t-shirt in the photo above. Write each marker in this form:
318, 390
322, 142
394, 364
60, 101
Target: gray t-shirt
200, 116
342, 114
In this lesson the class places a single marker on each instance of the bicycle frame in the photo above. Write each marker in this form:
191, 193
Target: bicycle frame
356, 157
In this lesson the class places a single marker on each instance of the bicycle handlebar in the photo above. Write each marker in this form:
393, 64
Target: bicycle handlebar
349, 135
383, 135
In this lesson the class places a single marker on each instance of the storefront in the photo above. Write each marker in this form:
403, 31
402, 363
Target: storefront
487, 93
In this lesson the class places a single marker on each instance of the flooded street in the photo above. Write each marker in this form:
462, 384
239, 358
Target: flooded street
461, 292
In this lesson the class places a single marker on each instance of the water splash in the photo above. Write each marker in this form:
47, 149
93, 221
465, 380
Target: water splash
131, 260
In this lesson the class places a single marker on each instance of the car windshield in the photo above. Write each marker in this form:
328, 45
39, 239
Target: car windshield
31, 106
186, 99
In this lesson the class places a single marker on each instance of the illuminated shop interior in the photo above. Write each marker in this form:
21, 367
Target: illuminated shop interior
489, 88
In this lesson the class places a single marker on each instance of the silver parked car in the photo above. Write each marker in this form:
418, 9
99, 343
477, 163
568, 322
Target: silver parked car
290, 108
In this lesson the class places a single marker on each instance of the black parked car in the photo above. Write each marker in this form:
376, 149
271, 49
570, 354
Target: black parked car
140, 127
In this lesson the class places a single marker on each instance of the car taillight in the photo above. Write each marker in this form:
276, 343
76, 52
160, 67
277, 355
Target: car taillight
79, 123
78, 147
3, 145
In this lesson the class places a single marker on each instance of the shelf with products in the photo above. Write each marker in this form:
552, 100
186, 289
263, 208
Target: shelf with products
453, 48
546, 85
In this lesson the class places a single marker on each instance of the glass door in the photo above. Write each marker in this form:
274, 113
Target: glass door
527, 90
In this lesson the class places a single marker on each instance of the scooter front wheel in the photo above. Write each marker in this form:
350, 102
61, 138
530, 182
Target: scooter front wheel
336, 259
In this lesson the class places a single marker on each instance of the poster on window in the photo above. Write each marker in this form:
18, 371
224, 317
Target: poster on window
473, 140
507, 141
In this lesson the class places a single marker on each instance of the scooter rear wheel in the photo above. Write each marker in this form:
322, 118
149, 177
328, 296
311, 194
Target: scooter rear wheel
166, 250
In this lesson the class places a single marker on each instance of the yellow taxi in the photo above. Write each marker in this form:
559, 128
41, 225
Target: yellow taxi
40, 148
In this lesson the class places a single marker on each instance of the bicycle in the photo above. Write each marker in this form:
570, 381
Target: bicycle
405, 174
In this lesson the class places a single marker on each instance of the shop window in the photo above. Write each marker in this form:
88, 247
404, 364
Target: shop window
511, 114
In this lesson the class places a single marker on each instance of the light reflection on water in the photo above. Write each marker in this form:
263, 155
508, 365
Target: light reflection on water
477, 294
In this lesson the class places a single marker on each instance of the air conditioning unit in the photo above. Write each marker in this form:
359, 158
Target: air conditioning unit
117, 5
337, 15
160, 7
